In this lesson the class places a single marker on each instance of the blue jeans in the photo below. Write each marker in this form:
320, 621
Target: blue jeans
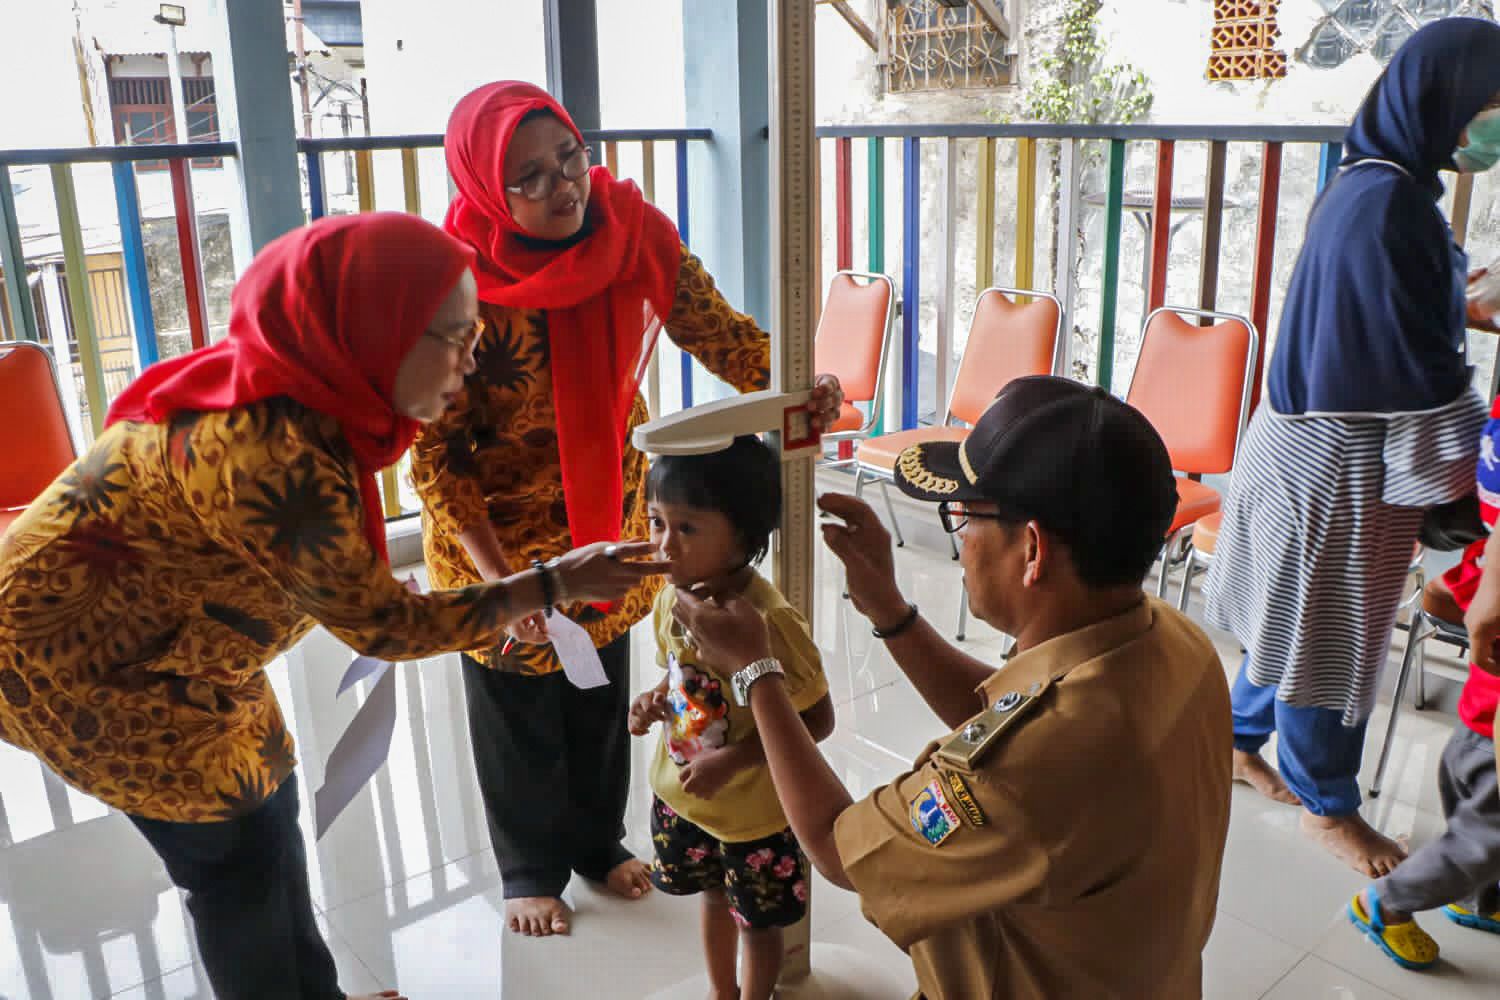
1318, 755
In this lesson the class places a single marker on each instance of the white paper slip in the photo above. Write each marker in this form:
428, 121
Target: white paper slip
362, 667
576, 650
359, 753
364, 746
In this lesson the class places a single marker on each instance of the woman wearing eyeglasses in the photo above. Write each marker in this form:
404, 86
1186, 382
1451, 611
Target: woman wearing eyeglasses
231, 505
577, 274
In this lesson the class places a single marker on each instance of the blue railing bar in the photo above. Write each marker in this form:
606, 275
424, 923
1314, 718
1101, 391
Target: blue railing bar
434, 140
116, 154
13, 260
1328, 162
911, 273
317, 205
1136, 133
682, 232
133, 249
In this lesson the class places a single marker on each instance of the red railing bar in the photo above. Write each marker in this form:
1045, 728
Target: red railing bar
1161, 224
1265, 253
187, 244
844, 201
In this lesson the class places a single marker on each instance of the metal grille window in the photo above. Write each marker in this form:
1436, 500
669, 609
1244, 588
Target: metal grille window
1379, 27
945, 45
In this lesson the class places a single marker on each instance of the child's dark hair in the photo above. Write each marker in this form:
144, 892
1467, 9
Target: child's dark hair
742, 482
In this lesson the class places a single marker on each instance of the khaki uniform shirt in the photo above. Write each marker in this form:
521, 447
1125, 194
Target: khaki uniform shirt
1070, 844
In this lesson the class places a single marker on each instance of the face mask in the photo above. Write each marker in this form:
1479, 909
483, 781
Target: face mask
1482, 151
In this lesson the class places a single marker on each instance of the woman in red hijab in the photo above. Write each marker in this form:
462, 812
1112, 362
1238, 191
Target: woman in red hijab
229, 507
577, 275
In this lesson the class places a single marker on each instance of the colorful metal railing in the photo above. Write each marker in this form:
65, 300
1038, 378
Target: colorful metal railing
920, 186
80, 313
939, 192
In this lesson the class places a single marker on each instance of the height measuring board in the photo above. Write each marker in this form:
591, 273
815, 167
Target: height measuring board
793, 255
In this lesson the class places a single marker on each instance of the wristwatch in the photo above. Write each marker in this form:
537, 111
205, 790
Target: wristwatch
742, 680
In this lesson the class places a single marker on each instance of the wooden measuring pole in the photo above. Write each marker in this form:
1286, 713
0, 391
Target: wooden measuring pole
793, 302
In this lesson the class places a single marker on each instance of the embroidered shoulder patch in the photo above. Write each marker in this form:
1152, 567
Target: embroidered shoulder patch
965, 798
931, 815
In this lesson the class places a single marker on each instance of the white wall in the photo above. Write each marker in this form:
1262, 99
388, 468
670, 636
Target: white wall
43, 104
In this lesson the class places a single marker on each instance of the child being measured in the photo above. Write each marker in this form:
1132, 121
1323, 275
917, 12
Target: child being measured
716, 825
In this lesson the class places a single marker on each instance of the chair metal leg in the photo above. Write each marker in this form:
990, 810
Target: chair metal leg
859, 488
1166, 566
1188, 569
963, 615
1415, 637
1419, 693
890, 508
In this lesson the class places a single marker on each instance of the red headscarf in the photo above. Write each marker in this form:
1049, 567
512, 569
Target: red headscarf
323, 315
605, 296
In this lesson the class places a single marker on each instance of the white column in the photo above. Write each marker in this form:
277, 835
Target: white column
57, 323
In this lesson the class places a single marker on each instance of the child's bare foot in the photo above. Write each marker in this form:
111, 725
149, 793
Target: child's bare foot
1251, 769
537, 916
1354, 842
628, 879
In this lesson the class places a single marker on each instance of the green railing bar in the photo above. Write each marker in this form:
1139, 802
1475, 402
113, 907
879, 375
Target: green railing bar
17, 294
1113, 213
80, 302
876, 222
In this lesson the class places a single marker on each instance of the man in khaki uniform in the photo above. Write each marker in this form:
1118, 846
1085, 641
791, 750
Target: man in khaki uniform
1065, 839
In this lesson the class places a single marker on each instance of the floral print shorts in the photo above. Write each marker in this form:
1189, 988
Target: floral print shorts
765, 880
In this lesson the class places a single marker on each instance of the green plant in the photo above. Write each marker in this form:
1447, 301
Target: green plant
1076, 84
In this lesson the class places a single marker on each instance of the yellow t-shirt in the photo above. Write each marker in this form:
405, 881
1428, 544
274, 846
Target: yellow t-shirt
707, 717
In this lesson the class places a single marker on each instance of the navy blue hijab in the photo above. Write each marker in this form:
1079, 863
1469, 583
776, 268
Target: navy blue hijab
1374, 317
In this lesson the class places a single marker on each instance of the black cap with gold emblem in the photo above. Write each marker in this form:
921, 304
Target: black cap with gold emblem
1071, 457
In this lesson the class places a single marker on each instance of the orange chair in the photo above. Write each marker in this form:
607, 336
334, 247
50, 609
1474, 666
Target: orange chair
1006, 341
35, 443
1194, 383
854, 343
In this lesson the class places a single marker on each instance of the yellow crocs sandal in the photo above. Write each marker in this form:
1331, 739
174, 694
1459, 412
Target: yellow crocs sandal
1468, 918
1408, 945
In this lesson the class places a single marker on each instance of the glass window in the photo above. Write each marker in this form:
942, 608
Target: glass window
1379, 27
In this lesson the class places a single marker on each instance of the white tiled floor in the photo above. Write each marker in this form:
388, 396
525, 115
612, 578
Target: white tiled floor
410, 894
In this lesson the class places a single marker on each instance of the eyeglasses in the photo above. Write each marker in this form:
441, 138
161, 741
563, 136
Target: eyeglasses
539, 186
955, 515
465, 340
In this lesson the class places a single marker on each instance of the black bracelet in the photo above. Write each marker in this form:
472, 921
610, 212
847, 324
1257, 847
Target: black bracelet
549, 586
912, 614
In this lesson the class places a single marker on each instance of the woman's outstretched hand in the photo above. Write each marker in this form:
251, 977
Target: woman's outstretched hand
605, 571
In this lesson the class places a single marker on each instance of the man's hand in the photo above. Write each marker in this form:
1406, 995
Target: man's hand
647, 710
705, 774
730, 635
864, 547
